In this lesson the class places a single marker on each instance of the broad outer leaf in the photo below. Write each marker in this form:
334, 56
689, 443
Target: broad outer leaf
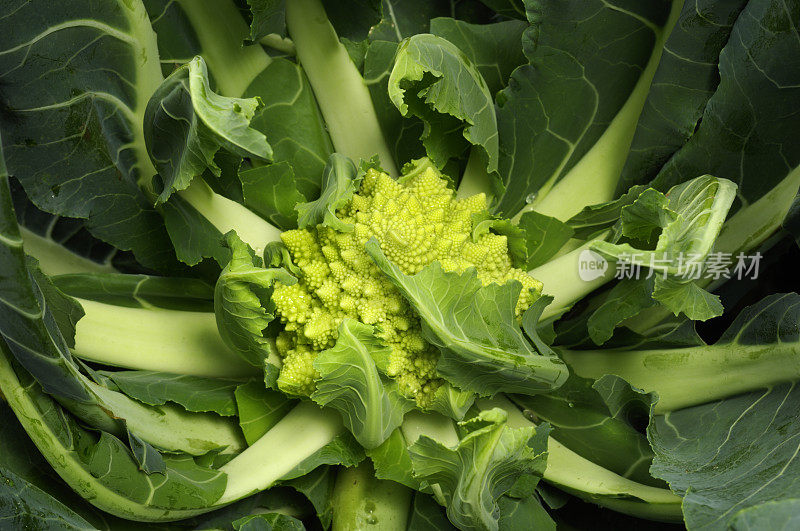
599, 420
585, 59
370, 403
484, 466
482, 346
727, 456
76, 80
687, 76
748, 129
434, 80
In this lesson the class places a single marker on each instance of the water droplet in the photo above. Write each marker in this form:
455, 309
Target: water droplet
530, 198
571, 404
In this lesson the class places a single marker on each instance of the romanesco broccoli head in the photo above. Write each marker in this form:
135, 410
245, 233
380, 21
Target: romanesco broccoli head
417, 221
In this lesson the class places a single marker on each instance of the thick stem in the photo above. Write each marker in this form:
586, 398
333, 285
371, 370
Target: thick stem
298, 436
594, 178
57, 260
563, 278
475, 180
156, 339
593, 483
340, 90
685, 377
222, 31
364, 502
227, 215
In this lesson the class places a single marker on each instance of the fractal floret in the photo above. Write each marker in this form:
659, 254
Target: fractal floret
416, 220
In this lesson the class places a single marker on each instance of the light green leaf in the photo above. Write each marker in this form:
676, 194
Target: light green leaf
340, 182
433, 80
483, 349
242, 304
370, 403
186, 123
485, 465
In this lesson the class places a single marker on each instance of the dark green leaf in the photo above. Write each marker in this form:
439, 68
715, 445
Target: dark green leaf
271, 192
194, 393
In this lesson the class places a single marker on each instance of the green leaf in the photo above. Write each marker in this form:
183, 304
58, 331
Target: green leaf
483, 349
269, 522
703, 451
343, 450
452, 402
783, 514
193, 236
586, 56
508, 8
682, 296
516, 236
599, 420
485, 465
186, 123
149, 460
646, 216
194, 393
292, 122
625, 300
433, 80
392, 460
268, 17
242, 302
544, 237
427, 515
317, 486
525, 514
402, 133
72, 129
259, 409
340, 182
138, 291
370, 403
25, 506
687, 76
495, 49
746, 130
693, 216
271, 192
